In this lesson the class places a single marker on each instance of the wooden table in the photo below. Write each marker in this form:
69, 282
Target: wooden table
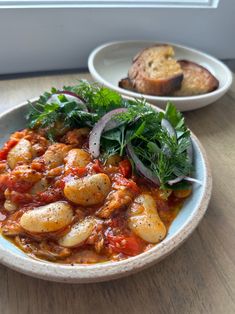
198, 278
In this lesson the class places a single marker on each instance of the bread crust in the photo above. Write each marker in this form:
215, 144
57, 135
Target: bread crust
163, 87
126, 83
197, 80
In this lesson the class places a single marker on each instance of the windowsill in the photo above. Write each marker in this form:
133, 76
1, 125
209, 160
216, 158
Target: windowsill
229, 62
100, 4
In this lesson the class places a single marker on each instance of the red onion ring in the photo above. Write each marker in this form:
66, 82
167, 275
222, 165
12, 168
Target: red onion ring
66, 92
95, 135
168, 127
70, 96
141, 168
177, 180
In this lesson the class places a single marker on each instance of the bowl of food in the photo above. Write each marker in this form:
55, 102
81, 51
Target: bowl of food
160, 72
95, 186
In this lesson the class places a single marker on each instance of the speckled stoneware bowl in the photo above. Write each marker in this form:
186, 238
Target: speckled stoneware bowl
184, 224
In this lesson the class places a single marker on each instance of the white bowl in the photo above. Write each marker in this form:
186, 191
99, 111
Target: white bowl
110, 62
184, 224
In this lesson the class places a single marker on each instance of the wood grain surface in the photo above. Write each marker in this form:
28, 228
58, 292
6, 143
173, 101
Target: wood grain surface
198, 278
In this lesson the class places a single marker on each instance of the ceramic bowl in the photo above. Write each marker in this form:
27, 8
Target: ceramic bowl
184, 224
110, 62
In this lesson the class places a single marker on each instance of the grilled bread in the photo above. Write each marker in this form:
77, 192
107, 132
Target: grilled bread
197, 80
154, 72
126, 84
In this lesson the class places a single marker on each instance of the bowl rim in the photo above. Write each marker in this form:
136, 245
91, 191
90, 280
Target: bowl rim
99, 78
110, 270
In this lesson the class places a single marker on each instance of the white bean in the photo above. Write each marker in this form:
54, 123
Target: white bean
10, 206
39, 186
89, 190
143, 219
25, 173
55, 154
21, 153
77, 158
48, 218
79, 232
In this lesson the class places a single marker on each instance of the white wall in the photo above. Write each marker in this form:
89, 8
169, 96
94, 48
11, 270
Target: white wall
53, 39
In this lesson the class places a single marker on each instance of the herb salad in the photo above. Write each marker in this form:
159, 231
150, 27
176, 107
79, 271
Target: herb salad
165, 150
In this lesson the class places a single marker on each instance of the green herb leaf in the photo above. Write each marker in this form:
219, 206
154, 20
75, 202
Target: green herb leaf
175, 117
65, 113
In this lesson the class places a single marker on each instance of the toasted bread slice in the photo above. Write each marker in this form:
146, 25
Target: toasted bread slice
155, 72
126, 84
197, 80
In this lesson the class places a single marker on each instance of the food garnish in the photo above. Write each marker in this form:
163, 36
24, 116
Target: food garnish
158, 141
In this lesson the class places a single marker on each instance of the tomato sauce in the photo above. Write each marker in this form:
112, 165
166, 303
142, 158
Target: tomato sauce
33, 183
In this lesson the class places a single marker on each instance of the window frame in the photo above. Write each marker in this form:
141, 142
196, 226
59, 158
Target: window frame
41, 39
13, 4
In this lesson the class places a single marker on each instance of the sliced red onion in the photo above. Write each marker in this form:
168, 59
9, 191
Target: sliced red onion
70, 96
190, 152
193, 180
141, 168
177, 180
112, 124
168, 127
66, 92
95, 135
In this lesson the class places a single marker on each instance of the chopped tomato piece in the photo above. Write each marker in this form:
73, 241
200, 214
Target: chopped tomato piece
97, 166
60, 184
21, 198
127, 182
128, 245
7, 147
80, 171
3, 184
125, 168
49, 196
19, 186
38, 166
